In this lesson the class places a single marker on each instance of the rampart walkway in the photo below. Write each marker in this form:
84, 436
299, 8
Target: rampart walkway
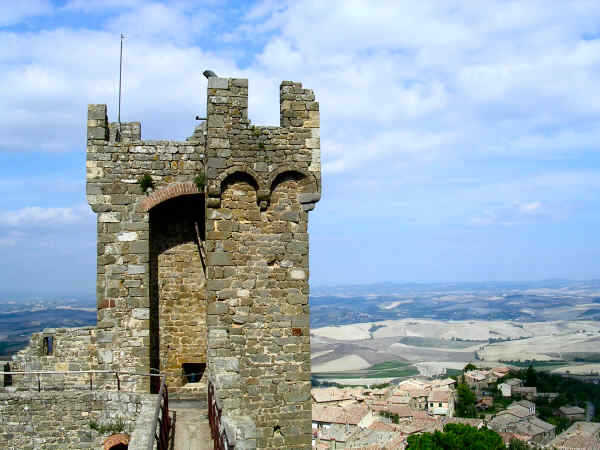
192, 431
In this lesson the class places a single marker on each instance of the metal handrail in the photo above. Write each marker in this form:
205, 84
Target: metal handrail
219, 437
50, 372
164, 434
90, 372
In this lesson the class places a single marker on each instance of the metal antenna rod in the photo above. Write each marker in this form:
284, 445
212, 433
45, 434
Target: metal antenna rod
120, 74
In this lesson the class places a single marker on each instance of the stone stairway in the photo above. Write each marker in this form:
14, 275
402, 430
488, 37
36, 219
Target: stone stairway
192, 431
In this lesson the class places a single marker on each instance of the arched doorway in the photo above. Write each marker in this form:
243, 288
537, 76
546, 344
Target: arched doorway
177, 291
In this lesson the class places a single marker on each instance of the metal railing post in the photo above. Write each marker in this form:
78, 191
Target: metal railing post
161, 436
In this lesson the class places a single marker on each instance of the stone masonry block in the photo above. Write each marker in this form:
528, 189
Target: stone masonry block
97, 112
218, 83
219, 259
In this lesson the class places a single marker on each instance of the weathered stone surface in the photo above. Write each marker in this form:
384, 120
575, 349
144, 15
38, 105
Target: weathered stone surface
297, 274
311, 197
61, 419
219, 259
218, 83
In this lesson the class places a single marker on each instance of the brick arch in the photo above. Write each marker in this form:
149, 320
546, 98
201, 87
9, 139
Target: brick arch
285, 170
172, 191
116, 439
242, 171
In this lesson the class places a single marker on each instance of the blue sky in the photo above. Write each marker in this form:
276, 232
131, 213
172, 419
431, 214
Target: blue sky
459, 139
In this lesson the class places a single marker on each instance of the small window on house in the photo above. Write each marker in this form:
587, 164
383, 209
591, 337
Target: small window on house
48, 345
440, 405
7, 378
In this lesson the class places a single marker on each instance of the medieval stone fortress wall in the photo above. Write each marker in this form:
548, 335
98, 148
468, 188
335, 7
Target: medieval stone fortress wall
203, 277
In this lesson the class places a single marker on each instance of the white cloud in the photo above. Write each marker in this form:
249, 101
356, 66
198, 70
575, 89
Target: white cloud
162, 22
433, 113
493, 76
399, 148
19, 11
162, 85
12, 238
100, 5
265, 8
38, 216
515, 214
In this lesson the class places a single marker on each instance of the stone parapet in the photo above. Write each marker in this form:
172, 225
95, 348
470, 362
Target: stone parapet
68, 419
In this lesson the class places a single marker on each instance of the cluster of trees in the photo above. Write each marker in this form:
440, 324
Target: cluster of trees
465, 401
457, 437
570, 392
395, 418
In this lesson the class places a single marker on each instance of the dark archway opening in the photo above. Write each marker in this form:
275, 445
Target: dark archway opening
193, 372
8, 381
177, 288
119, 447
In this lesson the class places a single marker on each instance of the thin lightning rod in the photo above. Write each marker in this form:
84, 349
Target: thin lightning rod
120, 74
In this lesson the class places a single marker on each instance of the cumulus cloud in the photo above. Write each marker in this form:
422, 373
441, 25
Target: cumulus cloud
501, 79
36, 216
52, 89
515, 214
502, 76
401, 146
19, 11
448, 114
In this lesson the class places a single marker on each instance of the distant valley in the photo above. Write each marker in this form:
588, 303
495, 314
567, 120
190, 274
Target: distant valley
528, 302
437, 328
19, 318
387, 331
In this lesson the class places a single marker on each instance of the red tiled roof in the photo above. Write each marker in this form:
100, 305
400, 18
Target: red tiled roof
336, 414
439, 396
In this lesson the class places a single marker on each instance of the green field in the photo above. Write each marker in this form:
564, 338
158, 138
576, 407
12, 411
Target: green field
391, 369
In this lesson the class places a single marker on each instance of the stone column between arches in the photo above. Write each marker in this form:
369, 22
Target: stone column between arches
258, 309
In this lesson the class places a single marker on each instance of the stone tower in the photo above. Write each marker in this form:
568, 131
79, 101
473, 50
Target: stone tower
212, 279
